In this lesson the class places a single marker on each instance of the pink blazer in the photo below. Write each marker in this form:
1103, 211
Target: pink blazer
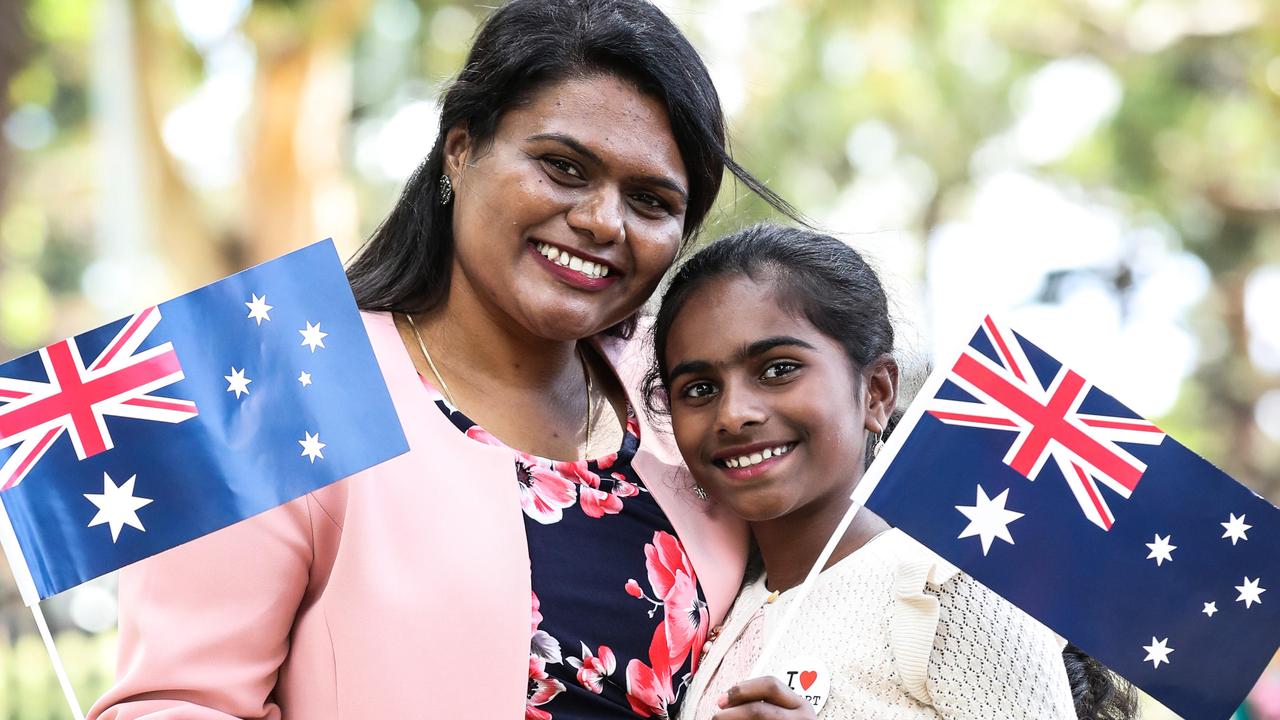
400, 592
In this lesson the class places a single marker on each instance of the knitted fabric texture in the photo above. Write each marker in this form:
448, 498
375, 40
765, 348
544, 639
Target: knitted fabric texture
904, 635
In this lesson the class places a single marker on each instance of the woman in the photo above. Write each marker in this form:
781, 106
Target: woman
774, 349
485, 573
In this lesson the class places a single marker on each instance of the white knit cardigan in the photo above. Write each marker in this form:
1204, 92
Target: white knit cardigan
904, 635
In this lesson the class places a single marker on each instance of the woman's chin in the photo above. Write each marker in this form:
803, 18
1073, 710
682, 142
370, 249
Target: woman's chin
565, 323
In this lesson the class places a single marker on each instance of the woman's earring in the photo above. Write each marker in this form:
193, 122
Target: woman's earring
446, 190
875, 451
700, 492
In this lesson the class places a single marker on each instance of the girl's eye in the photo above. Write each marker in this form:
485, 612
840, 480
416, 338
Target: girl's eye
563, 167
780, 369
698, 389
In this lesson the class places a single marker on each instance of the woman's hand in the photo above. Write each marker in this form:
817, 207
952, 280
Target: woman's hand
763, 698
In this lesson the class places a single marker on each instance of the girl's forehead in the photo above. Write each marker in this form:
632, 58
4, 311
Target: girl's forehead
732, 310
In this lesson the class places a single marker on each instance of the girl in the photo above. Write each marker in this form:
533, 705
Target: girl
774, 348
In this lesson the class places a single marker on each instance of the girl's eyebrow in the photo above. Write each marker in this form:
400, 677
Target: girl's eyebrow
759, 347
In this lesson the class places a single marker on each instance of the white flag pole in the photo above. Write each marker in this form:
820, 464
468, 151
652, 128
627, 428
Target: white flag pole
58, 668
771, 642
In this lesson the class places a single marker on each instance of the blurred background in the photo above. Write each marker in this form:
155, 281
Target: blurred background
1107, 172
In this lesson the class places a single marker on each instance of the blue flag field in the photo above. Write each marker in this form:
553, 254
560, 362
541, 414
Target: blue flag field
186, 417
1051, 493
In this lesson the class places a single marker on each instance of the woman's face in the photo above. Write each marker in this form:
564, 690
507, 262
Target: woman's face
565, 222
769, 413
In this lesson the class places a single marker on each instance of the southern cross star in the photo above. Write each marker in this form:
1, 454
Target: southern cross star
312, 337
259, 308
117, 506
1250, 592
988, 519
1236, 528
304, 378
1210, 608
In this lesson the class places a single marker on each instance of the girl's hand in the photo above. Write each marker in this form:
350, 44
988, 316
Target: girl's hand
763, 698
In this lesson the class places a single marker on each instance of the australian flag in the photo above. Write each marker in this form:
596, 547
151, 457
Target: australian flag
187, 417
1016, 469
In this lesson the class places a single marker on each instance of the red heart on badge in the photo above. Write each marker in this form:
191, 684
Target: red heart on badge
808, 678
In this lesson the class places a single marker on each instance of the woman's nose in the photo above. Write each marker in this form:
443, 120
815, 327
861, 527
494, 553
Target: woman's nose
600, 215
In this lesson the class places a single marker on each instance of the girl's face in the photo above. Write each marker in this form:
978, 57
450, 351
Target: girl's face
769, 413
567, 219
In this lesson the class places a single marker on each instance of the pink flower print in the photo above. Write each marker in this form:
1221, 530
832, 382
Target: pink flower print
633, 589
593, 669
633, 425
598, 503
544, 493
595, 502
675, 585
646, 692
685, 620
475, 432
649, 688
665, 559
607, 461
541, 644
542, 689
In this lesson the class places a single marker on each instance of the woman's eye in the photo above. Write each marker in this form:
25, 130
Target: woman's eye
779, 369
564, 167
650, 203
696, 390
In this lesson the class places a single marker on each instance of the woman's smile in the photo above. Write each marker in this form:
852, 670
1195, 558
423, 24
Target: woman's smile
575, 269
579, 217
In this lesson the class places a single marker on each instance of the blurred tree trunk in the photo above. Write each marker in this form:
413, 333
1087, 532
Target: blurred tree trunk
14, 48
296, 192
147, 210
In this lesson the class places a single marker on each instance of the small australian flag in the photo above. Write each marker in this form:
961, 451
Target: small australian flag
186, 417
1019, 471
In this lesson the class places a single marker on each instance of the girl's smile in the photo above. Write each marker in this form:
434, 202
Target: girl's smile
762, 402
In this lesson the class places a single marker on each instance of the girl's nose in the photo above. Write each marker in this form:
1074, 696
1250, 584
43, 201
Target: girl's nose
738, 409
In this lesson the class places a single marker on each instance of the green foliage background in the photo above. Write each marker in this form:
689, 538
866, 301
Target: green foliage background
1191, 147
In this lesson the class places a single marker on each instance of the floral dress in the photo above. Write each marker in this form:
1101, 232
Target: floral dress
616, 609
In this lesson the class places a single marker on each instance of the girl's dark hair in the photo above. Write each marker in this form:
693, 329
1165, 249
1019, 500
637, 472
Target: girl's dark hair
523, 47
1099, 694
815, 276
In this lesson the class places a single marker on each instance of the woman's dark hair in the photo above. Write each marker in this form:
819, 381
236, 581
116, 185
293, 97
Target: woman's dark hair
1099, 694
524, 46
815, 276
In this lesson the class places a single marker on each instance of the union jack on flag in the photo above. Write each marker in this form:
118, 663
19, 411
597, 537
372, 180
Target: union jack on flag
1047, 422
76, 399
1176, 595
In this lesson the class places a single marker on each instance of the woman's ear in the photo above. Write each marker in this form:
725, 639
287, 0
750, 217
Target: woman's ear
458, 148
882, 393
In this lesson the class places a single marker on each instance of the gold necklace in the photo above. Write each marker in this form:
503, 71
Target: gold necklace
444, 387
